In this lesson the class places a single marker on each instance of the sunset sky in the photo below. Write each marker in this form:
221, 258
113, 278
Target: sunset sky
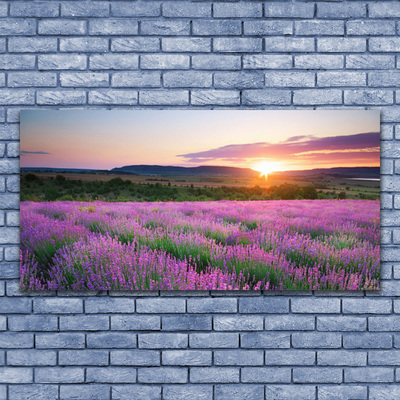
274, 140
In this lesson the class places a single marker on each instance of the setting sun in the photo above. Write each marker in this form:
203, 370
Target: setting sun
266, 167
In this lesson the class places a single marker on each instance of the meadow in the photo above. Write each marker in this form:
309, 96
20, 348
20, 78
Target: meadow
208, 245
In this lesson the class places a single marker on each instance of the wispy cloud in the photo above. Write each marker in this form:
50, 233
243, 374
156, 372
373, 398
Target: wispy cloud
297, 148
26, 152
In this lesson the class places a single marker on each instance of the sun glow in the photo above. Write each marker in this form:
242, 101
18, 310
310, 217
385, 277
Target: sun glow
266, 167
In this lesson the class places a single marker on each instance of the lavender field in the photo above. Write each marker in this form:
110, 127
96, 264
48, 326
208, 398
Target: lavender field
224, 245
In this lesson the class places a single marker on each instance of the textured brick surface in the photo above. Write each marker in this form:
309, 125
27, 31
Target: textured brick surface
199, 54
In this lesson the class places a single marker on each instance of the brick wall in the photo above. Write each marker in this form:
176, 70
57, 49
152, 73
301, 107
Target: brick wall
246, 54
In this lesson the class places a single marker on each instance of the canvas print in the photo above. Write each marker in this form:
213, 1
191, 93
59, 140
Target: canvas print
200, 200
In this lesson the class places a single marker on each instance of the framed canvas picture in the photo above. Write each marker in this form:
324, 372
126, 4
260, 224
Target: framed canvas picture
200, 200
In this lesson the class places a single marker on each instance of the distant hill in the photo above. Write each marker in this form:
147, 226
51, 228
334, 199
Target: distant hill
160, 170
65, 170
348, 172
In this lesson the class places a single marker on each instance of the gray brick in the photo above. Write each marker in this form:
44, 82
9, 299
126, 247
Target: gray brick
136, 79
87, 45
186, 79
85, 9
368, 97
111, 375
16, 340
32, 45
16, 375
135, 9
60, 340
238, 357
15, 306
163, 340
342, 358
59, 375
136, 392
241, 323
178, 97
135, 322
135, 357
320, 340
289, 79
367, 341
214, 375
17, 61
98, 392
111, 340
341, 11
341, 323
7, 167
242, 392
113, 27
288, 10
17, 26
365, 27
368, 374
126, 97
382, 392
342, 78
83, 357
164, 61
162, 375
264, 375
61, 27
367, 306
289, 44
387, 323
217, 27
64, 97
346, 392
238, 10
387, 44
237, 45
32, 323
194, 45
215, 97
289, 323
109, 305
317, 375
325, 306
370, 61
135, 44
384, 357
268, 27
316, 27
384, 10
83, 79
217, 62
178, 392
290, 392
212, 305
265, 340
319, 61
84, 323
267, 305
187, 323
186, 357
114, 61
34, 79
30, 392
290, 357
31, 357
214, 340
61, 61
341, 45
182, 9
384, 78
34, 9
266, 96
165, 28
